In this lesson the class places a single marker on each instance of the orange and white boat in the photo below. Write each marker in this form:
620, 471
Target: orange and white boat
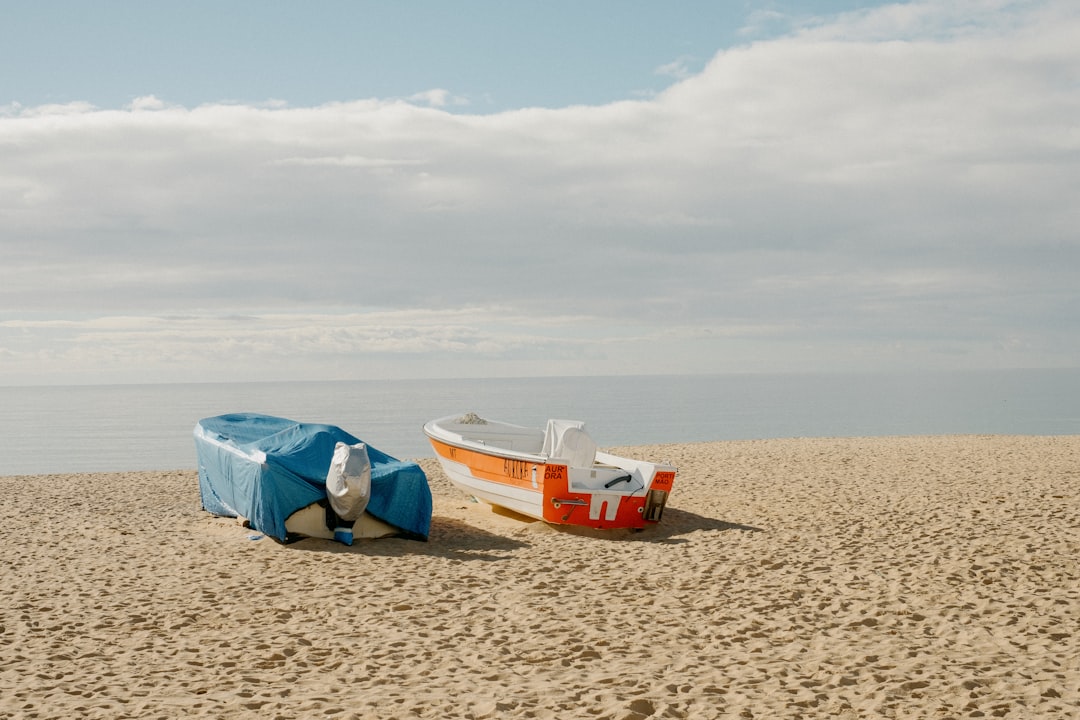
556, 474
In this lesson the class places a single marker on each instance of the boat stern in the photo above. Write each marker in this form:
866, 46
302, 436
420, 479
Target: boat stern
659, 490
631, 495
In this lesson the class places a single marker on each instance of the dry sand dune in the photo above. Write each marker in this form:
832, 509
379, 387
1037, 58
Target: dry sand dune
855, 578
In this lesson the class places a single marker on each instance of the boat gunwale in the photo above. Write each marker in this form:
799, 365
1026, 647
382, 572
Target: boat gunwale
479, 447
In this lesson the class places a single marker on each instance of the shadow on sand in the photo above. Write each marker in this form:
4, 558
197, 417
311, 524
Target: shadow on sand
449, 538
457, 540
674, 524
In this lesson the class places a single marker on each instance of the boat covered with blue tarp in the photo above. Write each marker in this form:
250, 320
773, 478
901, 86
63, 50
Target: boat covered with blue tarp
268, 469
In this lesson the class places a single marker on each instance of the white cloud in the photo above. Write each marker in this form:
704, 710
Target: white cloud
146, 103
438, 98
890, 175
767, 22
207, 347
678, 69
356, 161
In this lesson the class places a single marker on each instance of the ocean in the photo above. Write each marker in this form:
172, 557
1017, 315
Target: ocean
105, 428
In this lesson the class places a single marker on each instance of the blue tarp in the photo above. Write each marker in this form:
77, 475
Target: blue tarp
265, 468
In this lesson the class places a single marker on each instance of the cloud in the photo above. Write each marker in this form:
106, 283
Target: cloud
902, 175
678, 69
146, 103
254, 347
437, 98
768, 22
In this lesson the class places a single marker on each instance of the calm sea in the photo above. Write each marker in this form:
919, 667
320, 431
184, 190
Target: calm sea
61, 429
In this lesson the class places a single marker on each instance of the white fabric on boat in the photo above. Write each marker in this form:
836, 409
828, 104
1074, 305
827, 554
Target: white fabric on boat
567, 440
348, 482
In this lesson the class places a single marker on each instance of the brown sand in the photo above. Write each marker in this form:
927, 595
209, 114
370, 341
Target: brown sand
901, 577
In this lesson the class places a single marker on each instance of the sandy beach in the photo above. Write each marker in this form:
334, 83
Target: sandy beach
929, 577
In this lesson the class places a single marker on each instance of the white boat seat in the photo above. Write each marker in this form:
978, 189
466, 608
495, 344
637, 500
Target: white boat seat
567, 440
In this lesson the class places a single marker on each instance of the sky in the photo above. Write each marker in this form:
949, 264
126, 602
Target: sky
234, 191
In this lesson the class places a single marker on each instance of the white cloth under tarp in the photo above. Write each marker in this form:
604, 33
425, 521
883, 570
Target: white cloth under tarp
567, 440
348, 482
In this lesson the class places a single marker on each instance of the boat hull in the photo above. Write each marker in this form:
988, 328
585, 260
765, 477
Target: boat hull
310, 521
611, 493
